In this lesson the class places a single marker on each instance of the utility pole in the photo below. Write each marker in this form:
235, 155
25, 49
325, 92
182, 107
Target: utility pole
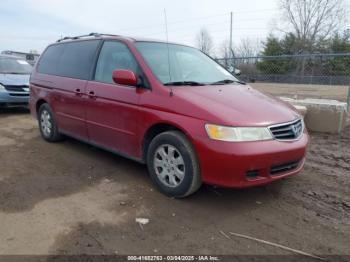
231, 50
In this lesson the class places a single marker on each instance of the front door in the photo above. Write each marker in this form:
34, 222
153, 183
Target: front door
112, 110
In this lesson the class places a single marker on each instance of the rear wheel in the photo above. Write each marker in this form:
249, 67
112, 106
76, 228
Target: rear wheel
173, 165
47, 124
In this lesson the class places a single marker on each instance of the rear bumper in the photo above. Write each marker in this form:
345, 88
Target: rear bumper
14, 98
247, 164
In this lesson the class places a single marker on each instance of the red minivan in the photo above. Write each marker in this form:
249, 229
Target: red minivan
169, 106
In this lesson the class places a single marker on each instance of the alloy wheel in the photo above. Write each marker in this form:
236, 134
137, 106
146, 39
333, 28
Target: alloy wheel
45, 122
169, 165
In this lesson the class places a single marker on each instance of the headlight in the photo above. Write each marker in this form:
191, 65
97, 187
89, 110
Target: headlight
2, 87
238, 134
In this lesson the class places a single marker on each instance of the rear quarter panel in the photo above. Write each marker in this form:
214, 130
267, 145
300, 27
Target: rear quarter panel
40, 89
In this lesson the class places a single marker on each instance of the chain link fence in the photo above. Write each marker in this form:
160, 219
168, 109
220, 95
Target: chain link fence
317, 69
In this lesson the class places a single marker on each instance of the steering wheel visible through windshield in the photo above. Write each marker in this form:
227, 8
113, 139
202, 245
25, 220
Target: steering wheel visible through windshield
172, 63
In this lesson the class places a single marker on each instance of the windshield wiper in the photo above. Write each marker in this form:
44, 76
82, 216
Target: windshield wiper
14, 73
183, 83
227, 81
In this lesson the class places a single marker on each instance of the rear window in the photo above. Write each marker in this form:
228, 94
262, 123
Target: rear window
49, 60
74, 60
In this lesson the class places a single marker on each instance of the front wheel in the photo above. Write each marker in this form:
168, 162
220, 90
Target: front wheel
173, 165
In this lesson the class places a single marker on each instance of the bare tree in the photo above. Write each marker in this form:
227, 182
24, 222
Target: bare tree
248, 47
312, 21
204, 41
225, 53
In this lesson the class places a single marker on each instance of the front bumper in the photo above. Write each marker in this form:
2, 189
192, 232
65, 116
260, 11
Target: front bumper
245, 164
14, 98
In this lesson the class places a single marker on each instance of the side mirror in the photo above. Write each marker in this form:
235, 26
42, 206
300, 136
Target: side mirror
124, 77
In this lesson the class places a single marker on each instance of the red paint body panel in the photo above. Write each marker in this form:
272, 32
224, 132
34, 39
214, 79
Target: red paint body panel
66, 98
117, 117
112, 117
226, 164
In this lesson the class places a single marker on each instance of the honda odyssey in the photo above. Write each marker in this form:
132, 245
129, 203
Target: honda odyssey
169, 106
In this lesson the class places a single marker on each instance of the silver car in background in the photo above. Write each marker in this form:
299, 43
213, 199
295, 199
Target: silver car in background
14, 81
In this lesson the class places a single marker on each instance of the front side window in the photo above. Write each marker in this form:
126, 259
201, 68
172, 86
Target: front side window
114, 55
177, 63
14, 66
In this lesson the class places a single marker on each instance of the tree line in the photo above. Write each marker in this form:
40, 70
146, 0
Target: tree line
306, 61
305, 27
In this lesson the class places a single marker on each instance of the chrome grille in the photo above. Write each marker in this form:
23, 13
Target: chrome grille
287, 131
14, 88
19, 94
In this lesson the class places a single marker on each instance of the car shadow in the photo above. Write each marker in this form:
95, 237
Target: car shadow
55, 170
4, 111
52, 170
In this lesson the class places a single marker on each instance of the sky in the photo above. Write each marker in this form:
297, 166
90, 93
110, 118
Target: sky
33, 24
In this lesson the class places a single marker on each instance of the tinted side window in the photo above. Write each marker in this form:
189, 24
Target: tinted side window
114, 55
77, 59
49, 60
73, 59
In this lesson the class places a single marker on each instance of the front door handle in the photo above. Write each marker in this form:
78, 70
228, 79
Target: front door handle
91, 94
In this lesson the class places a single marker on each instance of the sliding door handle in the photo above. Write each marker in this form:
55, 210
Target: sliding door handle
78, 92
91, 95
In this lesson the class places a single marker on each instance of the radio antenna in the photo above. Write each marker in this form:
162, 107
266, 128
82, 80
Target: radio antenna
167, 44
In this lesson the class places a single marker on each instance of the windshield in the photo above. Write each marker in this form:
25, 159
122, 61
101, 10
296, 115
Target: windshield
186, 64
9, 65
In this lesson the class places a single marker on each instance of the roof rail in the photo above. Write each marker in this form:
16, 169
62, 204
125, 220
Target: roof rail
83, 36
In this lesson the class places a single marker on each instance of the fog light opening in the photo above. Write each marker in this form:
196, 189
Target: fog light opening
252, 174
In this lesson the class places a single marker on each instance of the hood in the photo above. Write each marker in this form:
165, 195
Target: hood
234, 105
14, 79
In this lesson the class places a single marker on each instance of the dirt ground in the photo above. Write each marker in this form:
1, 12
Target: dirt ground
304, 91
72, 198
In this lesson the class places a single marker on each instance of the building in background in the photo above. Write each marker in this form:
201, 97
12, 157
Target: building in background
31, 57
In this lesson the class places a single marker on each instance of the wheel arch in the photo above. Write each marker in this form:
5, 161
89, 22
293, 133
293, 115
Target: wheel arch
157, 129
38, 104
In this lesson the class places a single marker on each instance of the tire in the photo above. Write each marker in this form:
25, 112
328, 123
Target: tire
164, 164
47, 124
